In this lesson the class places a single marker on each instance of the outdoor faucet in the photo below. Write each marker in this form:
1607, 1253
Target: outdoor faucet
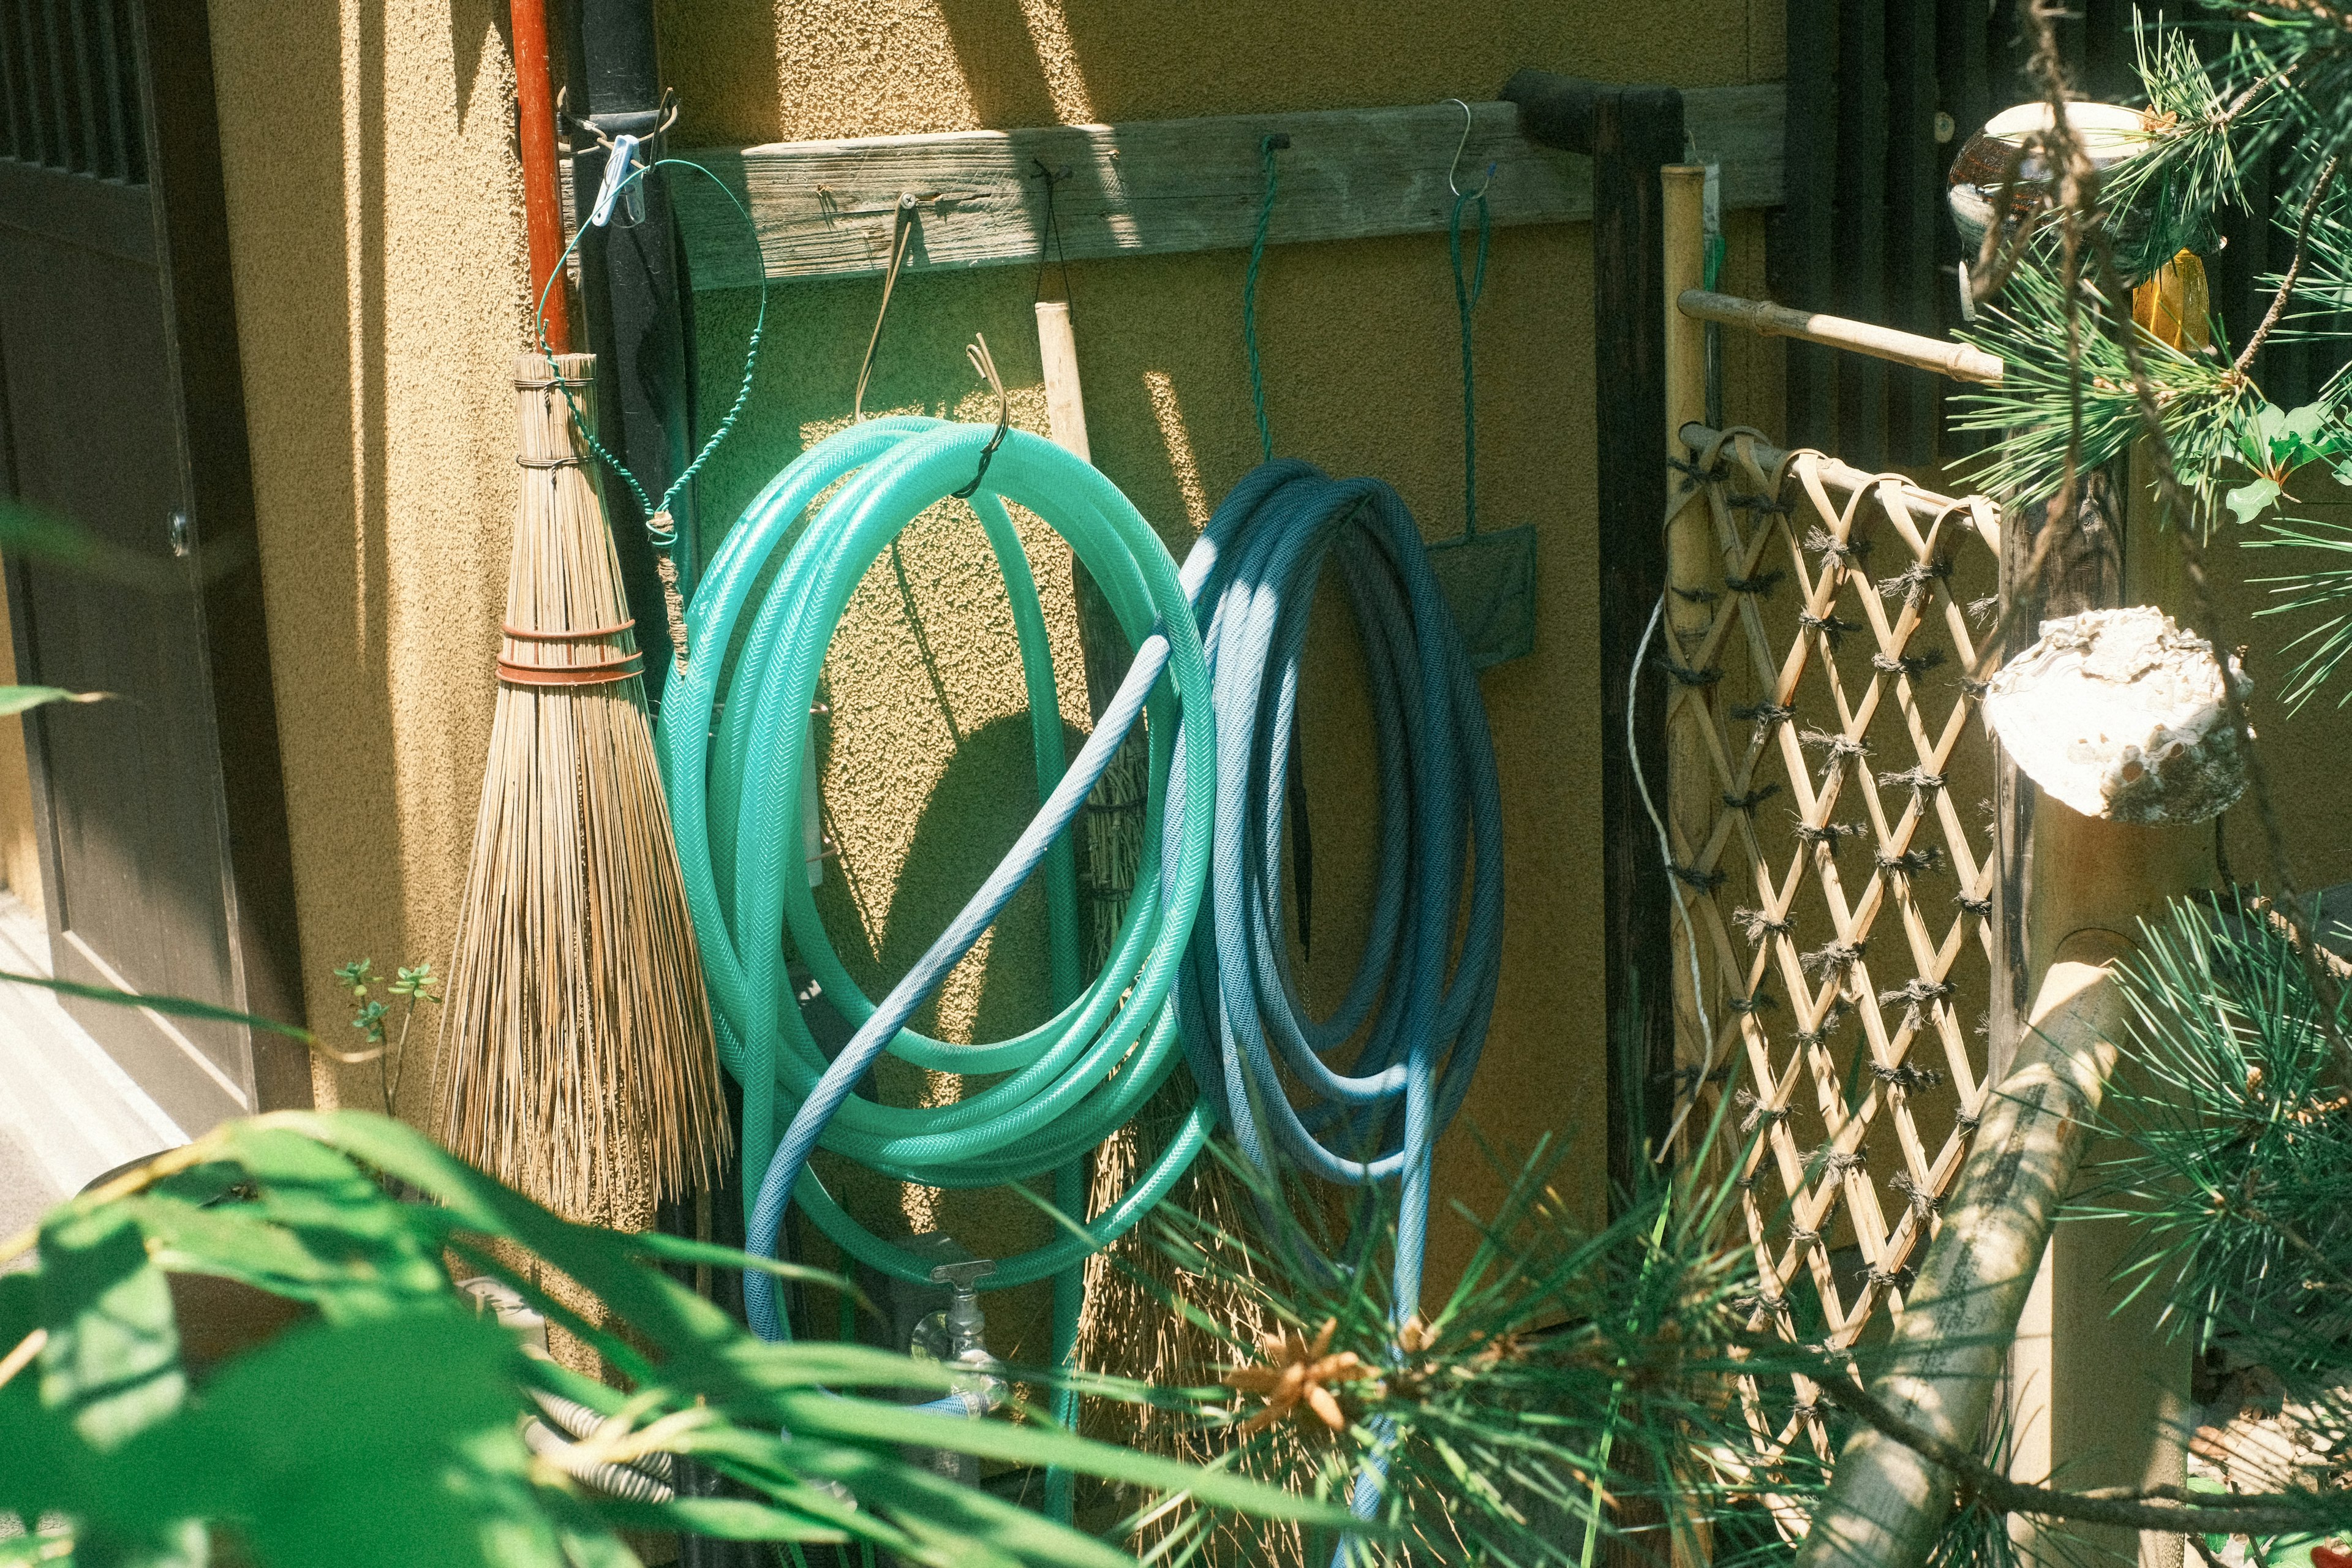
966, 1324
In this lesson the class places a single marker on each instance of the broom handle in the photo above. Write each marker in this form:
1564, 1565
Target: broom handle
543, 213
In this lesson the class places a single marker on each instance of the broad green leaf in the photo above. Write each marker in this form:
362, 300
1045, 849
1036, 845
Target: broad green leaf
2311, 435
2249, 502
2259, 434
18, 698
378, 1444
111, 1364
240, 1241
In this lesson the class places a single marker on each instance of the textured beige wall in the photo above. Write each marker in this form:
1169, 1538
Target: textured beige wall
1362, 370
376, 225
373, 196
377, 242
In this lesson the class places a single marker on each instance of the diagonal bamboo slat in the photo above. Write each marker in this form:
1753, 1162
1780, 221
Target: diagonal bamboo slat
1837, 886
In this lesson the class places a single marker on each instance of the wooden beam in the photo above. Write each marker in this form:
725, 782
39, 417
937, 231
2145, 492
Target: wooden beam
825, 209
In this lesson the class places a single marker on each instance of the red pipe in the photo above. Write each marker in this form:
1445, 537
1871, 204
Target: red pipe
542, 212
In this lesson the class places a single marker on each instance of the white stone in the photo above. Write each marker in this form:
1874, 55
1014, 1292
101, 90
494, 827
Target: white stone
2120, 714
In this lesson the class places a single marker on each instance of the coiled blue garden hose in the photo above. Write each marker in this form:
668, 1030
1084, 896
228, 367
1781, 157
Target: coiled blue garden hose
1421, 1006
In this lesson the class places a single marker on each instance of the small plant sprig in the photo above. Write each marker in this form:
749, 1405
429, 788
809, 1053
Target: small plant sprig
411, 985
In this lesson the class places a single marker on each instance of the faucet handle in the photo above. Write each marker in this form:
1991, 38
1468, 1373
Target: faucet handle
963, 1278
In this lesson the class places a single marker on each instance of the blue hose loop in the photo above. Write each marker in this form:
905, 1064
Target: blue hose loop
1421, 1007
736, 783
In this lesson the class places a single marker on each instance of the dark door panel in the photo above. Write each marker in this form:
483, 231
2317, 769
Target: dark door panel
113, 397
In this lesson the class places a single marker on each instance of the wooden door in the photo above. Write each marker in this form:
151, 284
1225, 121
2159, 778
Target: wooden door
160, 813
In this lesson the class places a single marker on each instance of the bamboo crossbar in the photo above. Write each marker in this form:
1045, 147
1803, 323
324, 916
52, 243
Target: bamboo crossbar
1957, 361
1845, 478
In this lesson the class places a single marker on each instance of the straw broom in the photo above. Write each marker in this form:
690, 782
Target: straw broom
577, 1060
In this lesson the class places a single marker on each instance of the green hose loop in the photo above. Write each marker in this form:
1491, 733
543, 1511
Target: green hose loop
760, 626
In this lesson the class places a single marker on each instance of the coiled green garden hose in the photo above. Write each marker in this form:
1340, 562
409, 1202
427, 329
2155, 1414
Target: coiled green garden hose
734, 790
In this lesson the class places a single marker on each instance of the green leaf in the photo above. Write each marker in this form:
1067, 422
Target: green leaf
723, 1519
111, 1365
870, 1421
18, 698
177, 1006
2304, 430
372, 1444
2249, 502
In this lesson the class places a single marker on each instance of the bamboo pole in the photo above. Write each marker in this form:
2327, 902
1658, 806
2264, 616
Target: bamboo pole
1957, 361
1887, 1503
1694, 578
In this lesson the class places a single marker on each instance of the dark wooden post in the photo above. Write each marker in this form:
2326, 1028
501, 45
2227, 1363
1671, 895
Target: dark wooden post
1630, 132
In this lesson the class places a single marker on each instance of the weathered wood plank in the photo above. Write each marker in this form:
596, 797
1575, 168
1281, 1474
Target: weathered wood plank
826, 209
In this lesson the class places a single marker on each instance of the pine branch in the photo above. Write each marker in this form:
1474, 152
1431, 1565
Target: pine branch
2171, 1510
2294, 269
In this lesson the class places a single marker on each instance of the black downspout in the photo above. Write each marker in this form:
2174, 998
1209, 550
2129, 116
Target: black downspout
633, 294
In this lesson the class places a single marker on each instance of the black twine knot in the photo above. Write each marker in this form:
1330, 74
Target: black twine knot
1685, 675
1924, 859
1833, 957
1911, 665
1763, 583
1763, 715
1903, 1075
1692, 877
1752, 799
1831, 626
1912, 583
1919, 779
1758, 924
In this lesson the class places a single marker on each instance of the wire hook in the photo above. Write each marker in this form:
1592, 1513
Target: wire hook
1454, 168
976, 352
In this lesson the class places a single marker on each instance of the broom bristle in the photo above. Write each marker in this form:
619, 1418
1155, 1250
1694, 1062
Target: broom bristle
577, 1060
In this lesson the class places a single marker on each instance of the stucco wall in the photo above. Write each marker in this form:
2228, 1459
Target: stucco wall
374, 204
376, 225
1361, 360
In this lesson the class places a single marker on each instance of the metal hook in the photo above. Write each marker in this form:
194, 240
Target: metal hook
1455, 167
976, 352
902, 231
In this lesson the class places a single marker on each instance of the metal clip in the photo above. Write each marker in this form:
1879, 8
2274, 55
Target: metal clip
616, 171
